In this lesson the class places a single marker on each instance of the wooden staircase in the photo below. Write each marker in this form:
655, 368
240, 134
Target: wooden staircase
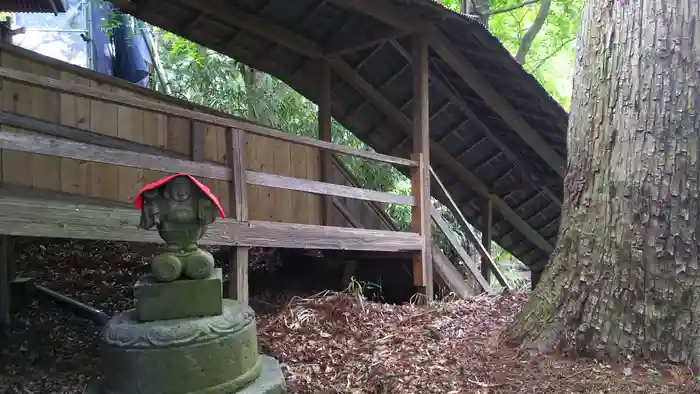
370, 214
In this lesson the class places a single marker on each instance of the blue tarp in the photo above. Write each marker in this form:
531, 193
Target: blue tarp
102, 54
131, 60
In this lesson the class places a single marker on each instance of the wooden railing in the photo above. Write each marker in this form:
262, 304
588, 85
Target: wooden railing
71, 143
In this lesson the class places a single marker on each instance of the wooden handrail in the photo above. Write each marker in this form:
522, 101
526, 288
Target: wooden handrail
65, 148
472, 237
168, 109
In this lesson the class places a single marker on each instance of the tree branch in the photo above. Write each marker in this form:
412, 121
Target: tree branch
511, 8
558, 49
529, 37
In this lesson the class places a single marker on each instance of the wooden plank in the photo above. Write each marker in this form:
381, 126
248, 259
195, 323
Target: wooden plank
5, 302
23, 216
330, 189
104, 120
486, 233
301, 208
452, 238
46, 171
17, 166
197, 145
324, 134
282, 197
75, 114
51, 146
80, 135
130, 128
450, 275
140, 103
420, 177
238, 275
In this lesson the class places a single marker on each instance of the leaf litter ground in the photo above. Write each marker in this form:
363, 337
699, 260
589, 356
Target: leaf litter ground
330, 342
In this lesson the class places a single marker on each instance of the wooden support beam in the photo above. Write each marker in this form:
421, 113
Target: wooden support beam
223, 11
420, 177
346, 213
339, 50
453, 96
238, 270
438, 153
469, 74
395, 16
324, 134
5, 302
381, 10
486, 233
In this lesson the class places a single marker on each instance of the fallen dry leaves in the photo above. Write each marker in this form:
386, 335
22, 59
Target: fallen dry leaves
328, 343
335, 343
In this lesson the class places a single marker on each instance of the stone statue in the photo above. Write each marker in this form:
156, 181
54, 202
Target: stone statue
182, 336
181, 208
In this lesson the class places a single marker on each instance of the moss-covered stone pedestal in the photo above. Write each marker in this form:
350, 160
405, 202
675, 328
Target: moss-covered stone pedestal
215, 354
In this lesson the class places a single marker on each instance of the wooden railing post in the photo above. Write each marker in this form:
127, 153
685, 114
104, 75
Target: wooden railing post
238, 270
486, 232
324, 134
420, 177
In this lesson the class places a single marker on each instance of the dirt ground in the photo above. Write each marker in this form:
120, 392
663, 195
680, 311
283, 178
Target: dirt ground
328, 342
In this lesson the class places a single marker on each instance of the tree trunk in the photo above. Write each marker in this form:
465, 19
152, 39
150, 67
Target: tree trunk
476, 7
623, 279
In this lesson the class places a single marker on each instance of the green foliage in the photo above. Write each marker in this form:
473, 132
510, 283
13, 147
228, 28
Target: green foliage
551, 58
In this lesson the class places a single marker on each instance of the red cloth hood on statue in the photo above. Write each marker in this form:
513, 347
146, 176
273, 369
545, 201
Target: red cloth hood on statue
138, 201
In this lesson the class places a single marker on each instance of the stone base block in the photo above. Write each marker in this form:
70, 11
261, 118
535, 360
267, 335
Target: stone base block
270, 381
180, 299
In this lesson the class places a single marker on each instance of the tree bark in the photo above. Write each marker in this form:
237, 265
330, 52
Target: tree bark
623, 279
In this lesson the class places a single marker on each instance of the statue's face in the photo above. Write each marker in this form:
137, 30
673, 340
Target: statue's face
179, 189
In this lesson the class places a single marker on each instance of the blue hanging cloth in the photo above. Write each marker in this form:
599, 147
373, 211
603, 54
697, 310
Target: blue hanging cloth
102, 55
132, 61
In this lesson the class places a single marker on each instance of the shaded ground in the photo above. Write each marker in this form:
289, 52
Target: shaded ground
328, 343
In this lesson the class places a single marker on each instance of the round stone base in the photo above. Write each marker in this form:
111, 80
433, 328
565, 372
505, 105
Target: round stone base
270, 381
211, 355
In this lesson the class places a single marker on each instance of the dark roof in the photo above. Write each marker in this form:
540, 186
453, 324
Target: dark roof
55, 6
262, 33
